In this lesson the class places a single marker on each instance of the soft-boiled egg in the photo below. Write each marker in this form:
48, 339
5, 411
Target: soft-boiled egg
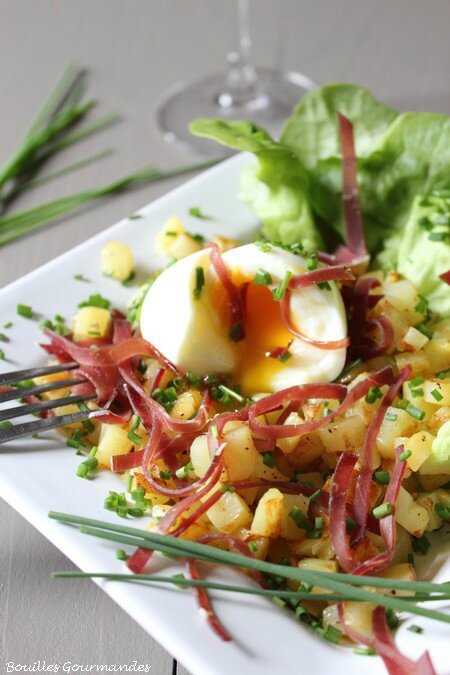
186, 315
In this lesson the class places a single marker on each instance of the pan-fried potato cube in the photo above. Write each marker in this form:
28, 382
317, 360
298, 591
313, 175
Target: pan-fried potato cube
240, 455
288, 445
186, 405
412, 341
229, 513
403, 546
50, 378
117, 260
268, 515
267, 472
403, 296
429, 500
400, 572
410, 515
358, 616
113, 441
346, 435
289, 528
432, 481
396, 423
419, 445
437, 351
200, 458
182, 246
319, 548
317, 565
172, 228
437, 392
417, 360
91, 322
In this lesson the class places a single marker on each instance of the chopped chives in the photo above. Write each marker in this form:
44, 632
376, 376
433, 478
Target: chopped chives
391, 417
443, 374
415, 629
350, 525
298, 517
350, 367
236, 332
214, 430
315, 496
25, 311
231, 392
2, 355
4, 338
199, 281
416, 382
263, 245
424, 330
436, 395
79, 277
318, 523
364, 651
417, 393
130, 482
95, 300
284, 356
165, 475
227, 488
134, 437
405, 455
421, 544
442, 510
382, 477
7, 324
199, 238
417, 413
268, 459
184, 471
262, 278
373, 394
6, 424
279, 292
421, 306
383, 510
253, 546
196, 212
330, 633
121, 555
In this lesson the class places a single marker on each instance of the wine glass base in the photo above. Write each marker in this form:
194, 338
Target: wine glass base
276, 95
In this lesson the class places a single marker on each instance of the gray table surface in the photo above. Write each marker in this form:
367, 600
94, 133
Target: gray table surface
134, 50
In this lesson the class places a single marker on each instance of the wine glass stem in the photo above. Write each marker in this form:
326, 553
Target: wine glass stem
242, 85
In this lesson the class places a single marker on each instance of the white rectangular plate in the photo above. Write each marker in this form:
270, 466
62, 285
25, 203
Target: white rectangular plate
39, 475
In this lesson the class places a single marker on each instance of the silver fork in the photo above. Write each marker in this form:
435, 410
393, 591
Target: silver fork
13, 431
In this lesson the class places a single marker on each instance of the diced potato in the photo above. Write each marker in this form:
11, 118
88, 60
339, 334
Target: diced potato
317, 565
182, 246
267, 472
402, 425
170, 231
229, 513
437, 419
91, 322
308, 449
437, 351
224, 243
403, 546
288, 445
410, 515
186, 405
417, 360
269, 514
419, 445
400, 572
259, 546
117, 260
358, 616
289, 528
410, 394
412, 341
319, 548
200, 458
344, 435
432, 481
240, 454
403, 296
429, 500
442, 329
437, 392
113, 441
53, 377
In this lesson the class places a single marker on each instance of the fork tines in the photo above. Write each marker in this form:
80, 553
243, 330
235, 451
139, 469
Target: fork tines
10, 432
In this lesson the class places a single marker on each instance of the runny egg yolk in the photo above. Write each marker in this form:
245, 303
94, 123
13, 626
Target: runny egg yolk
264, 332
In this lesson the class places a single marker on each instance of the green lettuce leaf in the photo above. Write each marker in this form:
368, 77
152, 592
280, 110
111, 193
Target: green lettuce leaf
296, 185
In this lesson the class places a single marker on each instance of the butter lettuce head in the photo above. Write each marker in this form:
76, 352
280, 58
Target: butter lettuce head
295, 186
